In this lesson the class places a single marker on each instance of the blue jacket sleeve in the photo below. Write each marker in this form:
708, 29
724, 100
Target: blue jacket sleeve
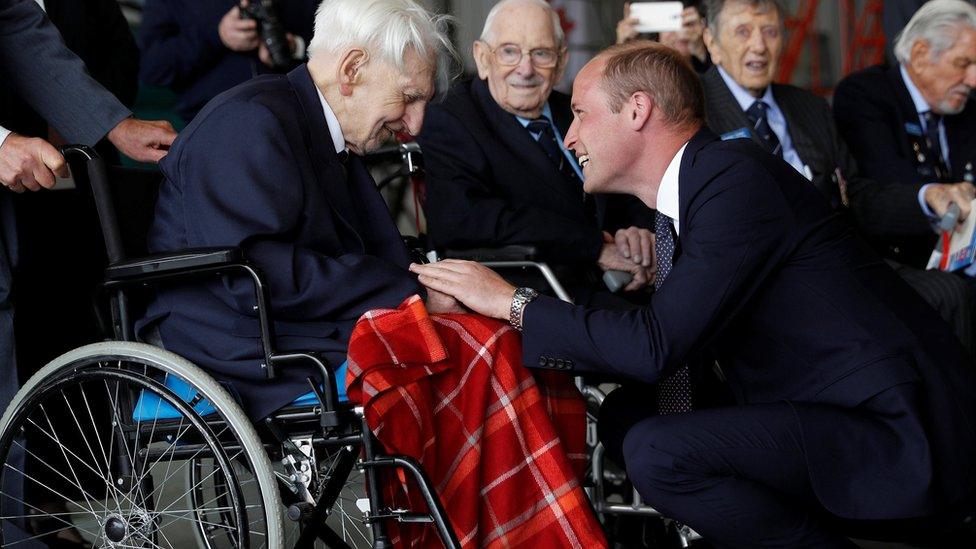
50, 78
242, 187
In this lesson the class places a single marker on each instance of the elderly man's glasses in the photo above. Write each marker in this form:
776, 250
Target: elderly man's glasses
511, 55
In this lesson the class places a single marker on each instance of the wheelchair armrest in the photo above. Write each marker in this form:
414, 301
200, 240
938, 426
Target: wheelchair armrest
184, 261
513, 252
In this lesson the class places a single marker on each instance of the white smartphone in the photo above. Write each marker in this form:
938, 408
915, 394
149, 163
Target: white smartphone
657, 16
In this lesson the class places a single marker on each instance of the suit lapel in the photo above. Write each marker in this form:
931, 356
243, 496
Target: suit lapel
325, 161
906, 110
522, 145
688, 186
724, 112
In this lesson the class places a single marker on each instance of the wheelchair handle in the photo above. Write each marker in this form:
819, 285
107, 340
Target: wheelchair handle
98, 180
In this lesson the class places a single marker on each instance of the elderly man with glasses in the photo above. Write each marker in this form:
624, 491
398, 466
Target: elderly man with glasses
499, 175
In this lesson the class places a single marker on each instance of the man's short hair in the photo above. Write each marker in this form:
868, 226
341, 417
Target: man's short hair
388, 28
661, 72
713, 10
487, 32
937, 22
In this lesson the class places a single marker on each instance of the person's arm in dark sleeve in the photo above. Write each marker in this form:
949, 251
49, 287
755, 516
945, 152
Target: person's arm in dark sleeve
243, 187
731, 244
879, 209
176, 50
40, 68
464, 211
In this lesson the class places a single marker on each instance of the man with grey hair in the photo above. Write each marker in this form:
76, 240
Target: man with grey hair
274, 166
912, 124
497, 171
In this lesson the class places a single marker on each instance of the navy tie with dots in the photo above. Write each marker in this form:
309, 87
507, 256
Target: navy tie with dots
934, 142
757, 113
674, 391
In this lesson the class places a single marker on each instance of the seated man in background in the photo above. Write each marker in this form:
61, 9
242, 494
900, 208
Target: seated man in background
199, 48
688, 41
745, 38
275, 167
498, 175
852, 399
912, 126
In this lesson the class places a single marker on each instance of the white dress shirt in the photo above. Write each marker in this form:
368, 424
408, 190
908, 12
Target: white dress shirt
775, 117
334, 129
667, 192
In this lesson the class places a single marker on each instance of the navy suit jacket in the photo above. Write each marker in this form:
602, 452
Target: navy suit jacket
873, 110
489, 183
182, 50
796, 308
257, 169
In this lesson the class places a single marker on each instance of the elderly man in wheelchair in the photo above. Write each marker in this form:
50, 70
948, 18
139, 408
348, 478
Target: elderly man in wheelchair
269, 241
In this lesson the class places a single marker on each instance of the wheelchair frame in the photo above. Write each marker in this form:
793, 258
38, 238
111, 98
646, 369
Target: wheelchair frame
296, 431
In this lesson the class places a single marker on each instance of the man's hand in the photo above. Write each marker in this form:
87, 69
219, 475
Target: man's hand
627, 27
611, 259
236, 33
441, 303
143, 140
636, 244
476, 286
940, 195
29, 163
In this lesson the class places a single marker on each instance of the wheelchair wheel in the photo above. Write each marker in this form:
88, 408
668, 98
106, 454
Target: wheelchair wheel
119, 439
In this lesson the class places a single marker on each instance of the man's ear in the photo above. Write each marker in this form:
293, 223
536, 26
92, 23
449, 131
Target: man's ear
638, 110
482, 58
350, 70
920, 54
561, 64
711, 44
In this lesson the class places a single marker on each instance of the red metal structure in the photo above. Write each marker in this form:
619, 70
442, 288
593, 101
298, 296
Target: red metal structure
861, 35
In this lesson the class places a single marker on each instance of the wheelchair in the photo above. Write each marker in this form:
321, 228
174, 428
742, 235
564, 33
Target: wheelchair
145, 449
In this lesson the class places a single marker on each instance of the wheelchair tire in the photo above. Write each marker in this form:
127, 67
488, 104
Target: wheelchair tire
94, 363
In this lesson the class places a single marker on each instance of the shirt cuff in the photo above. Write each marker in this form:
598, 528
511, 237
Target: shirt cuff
299, 48
922, 204
4, 132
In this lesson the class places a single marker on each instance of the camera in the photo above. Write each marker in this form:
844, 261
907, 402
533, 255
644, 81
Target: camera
272, 33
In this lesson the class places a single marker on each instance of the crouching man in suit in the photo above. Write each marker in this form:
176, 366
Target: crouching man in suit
853, 399
274, 166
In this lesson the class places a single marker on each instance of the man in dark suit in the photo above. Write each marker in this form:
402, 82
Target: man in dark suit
798, 126
200, 48
36, 66
497, 174
912, 124
274, 166
853, 398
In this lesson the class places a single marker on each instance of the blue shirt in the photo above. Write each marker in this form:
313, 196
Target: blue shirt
547, 113
775, 117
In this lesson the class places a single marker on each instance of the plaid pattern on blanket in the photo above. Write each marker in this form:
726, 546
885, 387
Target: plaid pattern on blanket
504, 450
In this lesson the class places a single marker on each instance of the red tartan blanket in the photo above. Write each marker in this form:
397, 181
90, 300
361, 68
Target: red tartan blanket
504, 450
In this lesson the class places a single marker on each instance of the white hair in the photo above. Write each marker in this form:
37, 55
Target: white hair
937, 22
388, 28
487, 33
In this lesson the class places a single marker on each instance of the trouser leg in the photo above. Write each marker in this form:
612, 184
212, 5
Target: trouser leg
736, 475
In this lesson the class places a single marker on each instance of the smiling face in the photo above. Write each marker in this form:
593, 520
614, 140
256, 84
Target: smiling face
748, 45
947, 79
524, 88
384, 101
598, 136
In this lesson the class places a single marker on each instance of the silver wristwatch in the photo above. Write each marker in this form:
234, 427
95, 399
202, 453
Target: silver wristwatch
521, 297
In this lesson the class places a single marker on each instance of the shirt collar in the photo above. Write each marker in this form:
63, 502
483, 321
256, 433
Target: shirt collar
921, 105
742, 95
546, 113
334, 129
667, 192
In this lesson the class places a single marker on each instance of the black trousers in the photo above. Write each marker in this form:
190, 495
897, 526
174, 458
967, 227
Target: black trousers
737, 475
950, 295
